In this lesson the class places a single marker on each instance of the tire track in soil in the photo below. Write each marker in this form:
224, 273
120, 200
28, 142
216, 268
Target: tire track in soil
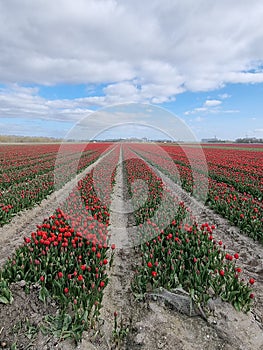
25, 222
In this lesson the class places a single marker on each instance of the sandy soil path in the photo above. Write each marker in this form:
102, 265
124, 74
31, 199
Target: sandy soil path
118, 295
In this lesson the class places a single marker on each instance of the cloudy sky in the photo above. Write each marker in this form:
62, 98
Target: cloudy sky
200, 60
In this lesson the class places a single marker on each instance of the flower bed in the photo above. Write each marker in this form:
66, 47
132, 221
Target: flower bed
26, 179
183, 253
68, 256
234, 182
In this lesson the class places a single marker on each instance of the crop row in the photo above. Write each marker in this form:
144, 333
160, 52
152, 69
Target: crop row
68, 255
29, 165
33, 181
241, 208
181, 253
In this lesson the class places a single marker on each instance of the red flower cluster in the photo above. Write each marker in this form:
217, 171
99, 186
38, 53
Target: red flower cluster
234, 191
30, 170
182, 252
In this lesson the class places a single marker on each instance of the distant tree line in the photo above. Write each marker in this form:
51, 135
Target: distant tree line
43, 139
249, 140
25, 139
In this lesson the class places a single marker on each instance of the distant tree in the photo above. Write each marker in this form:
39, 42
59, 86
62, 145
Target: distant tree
249, 140
25, 139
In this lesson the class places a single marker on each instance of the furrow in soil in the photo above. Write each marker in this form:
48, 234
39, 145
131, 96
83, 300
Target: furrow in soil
117, 295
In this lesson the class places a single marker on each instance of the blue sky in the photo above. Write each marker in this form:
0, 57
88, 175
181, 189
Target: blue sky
199, 60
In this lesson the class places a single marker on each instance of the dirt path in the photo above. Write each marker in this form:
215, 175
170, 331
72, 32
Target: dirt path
118, 295
25, 222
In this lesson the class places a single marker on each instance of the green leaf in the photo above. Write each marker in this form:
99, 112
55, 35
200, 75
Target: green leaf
4, 300
43, 293
67, 320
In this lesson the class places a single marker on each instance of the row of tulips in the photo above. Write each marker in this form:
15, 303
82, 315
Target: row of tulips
68, 255
44, 158
183, 253
238, 167
30, 184
241, 208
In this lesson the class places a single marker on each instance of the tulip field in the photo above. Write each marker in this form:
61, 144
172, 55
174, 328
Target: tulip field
185, 255
70, 255
235, 188
27, 173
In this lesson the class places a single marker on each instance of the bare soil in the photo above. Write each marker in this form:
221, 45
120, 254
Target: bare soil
154, 324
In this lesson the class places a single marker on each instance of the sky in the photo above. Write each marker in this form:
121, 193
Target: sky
196, 65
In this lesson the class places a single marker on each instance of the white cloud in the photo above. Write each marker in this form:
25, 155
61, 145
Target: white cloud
209, 106
125, 119
200, 109
212, 106
212, 103
240, 77
25, 102
224, 96
141, 51
196, 110
177, 45
230, 111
